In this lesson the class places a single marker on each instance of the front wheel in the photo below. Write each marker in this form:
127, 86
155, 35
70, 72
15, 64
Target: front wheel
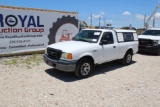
158, 53
127, 58
84, 68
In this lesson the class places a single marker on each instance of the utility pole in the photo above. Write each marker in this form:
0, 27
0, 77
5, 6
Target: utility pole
99, 22
144, 21
104, 21
91, 20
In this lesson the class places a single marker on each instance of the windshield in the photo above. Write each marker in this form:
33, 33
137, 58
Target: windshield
91, 36
152, 32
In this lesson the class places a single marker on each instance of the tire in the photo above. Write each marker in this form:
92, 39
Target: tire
158, 53
56, 25
127, 58
84, 68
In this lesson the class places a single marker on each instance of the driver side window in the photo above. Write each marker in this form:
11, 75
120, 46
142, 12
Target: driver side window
108, 37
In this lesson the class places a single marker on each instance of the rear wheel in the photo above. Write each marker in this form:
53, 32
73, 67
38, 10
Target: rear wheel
127, 58
84, 68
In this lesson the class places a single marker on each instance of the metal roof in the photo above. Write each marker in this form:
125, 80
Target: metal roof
34, 9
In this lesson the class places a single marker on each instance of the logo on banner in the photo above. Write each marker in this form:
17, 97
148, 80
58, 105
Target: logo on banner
63, 29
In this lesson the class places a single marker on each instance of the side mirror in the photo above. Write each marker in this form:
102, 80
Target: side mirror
103, 42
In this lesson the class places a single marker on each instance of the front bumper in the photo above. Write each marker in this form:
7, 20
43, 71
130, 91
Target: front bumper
149, 49
68, 66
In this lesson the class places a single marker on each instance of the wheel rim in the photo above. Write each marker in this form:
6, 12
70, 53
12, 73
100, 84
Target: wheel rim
129, 57
85, 69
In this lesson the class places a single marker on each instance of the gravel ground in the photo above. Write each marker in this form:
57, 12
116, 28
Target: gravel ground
110, 85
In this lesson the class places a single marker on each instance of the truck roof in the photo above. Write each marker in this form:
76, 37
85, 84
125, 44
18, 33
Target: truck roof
116, 30
35, 9
153, 29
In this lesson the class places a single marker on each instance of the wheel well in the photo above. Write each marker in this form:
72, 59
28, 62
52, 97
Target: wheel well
130, 50
88, 57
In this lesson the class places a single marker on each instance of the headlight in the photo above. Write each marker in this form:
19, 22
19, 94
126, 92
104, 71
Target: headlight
155, 42
66, 56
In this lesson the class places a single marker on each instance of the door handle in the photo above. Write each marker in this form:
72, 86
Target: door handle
114, 46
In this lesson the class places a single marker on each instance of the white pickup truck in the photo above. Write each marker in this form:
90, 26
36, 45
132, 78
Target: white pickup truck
92, 47
149, 41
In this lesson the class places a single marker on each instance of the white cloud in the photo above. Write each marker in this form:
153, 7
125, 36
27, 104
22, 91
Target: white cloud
102, 13
101, 22
157, 15
140, 17
89, 18
126, 13
93, 15
97, 16
109, 21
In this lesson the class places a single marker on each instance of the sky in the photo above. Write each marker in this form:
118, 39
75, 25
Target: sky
119, 13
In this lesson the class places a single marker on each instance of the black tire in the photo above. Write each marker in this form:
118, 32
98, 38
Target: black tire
158, 53
58, 24
84, 68
127, 58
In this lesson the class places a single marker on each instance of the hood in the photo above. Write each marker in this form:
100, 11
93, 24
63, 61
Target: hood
70, 46
149, 37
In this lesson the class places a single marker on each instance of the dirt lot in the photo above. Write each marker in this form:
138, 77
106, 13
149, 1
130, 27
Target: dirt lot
28, 82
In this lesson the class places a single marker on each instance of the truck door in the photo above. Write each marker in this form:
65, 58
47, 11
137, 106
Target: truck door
109, 47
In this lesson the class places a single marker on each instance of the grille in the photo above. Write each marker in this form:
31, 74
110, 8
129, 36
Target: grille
145, 42
54, 53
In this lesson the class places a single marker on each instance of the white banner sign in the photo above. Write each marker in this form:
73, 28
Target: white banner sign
31, 30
